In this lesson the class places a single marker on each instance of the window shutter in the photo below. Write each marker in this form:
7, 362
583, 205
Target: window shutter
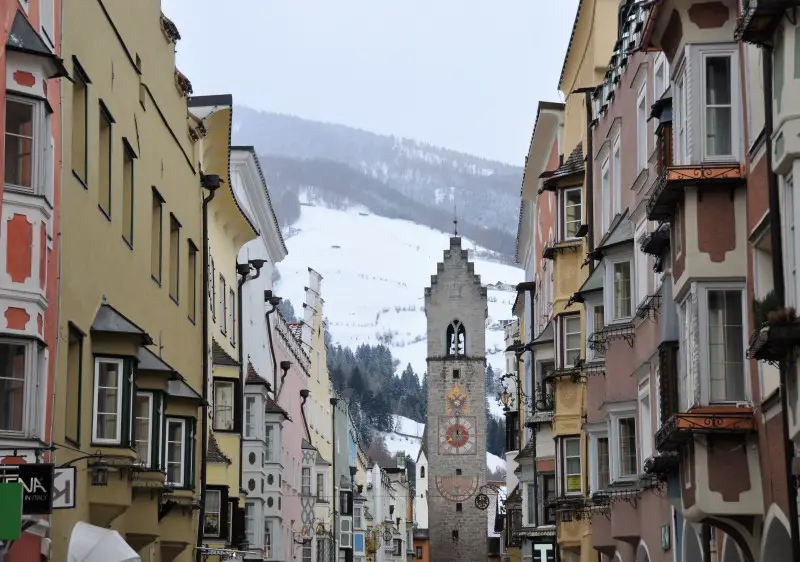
189, 464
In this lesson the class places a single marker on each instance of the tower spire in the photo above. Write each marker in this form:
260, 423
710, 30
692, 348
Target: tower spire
455, 216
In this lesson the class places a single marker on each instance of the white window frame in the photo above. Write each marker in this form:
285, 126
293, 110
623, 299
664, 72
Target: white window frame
250, 410
702, 290
232, 385
565, 320
681, 123
616, 180
641, 128
39, 145
563, 469
645, 421
605, 194
641, 275
305, 487
609, 296
591, 328
791, 234
358, 517
686, 371
662, 65
594, 453
117, 439
270, 433
268, 538
219, 513
250, 519
564, 194
32, 395
625, 412
168, 444
149, 395
324, 498
700, 53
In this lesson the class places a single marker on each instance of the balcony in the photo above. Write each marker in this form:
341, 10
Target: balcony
759, 19
668, 189
598, 341
552, 248
717, 420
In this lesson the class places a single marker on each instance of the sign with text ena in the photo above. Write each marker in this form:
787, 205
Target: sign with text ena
37, 485
544, 549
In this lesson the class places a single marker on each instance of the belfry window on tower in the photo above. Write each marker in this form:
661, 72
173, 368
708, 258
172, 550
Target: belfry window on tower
456, 339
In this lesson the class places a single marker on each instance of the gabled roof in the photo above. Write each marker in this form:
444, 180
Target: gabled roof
149, 361
620, 232
321, 461
109, 320
214, 453
273, 408
304, 444
574, 164
221, 357
253, 377
181, 389
547, 335
594, 282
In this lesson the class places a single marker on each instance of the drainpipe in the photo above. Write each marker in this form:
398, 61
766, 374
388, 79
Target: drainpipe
270, 298
780, 294
334, 402
210, 183
243, 274
589, 181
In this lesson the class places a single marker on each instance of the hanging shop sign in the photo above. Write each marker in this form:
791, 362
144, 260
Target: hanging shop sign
544, 549
11, 514
37, 485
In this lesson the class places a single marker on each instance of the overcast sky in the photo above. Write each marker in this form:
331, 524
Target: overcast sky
463, 74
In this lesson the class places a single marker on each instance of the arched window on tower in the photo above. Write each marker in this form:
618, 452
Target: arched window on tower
456, 339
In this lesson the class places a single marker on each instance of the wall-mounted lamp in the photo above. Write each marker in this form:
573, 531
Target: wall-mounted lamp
99, 473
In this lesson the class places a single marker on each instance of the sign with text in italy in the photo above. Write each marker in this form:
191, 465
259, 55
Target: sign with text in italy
544, 549
37, 485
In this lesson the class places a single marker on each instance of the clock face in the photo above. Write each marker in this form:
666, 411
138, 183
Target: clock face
456, 488
457, 435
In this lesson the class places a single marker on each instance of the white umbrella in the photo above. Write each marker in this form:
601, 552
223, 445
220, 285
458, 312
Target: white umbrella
89, 543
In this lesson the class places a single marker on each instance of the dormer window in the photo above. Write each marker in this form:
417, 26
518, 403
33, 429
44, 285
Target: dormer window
456, 339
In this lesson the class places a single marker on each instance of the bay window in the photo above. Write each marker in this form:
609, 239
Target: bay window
600, 475
250, 522
175, 452
321, 488
269, 443
250, 416
619, 299
530, 501
20, 399
641, 128
224, 396
547, 514
605, 195
25, 152
726, 344
571, 465
718, 105
571, 337
212, 524
680, 120
595, 322
305, 485
572, 211
267, 538
623, 434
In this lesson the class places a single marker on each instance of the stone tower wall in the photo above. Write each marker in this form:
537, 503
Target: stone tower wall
456, 401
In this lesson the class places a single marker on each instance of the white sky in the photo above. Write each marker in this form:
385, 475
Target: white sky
463, 74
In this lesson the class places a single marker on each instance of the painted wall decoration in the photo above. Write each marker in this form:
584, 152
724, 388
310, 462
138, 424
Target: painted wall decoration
457, 402
457, 435
458, 488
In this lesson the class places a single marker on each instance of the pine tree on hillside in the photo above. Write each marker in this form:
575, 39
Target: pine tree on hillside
287, 310
356, 382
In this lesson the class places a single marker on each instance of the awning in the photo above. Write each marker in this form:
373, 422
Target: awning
89, 543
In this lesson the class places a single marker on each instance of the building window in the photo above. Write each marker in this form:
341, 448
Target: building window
605, 193
726, 345
176, 452
718, 102
224, 392
191, 281
307, 551
269, 442
21, 144
680, 120
104, 152
156, 234
548, 492
641, 128
321, 488
174, 257
358, 522
621, 272
143, 430
645, 420
72, 429
223, 308
80, 114
232, 307
572, 212
305, 489
571, 462
250, 522
422, 472
127, 192
267, 538
616, 179
212, 524
572, 339
398, 547
108, 400
531, 504
623, 435
661, 76
419, 552
603, 464
642, 273
19, 387
456, 339
595, 321
250, 416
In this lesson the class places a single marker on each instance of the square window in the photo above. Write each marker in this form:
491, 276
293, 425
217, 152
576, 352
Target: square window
80, 113
456, 374
321, 488
72, 430
20, 144
305, 489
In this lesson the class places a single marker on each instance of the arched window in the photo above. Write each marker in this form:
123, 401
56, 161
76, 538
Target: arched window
422, 472
456, 339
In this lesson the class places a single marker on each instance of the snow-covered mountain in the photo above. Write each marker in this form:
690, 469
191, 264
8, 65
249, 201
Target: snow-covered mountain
374, 273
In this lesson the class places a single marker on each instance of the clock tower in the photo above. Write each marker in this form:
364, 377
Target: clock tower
456, 310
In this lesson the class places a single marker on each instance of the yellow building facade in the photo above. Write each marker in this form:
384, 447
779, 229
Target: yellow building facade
129, 372
228, 230
591, 42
